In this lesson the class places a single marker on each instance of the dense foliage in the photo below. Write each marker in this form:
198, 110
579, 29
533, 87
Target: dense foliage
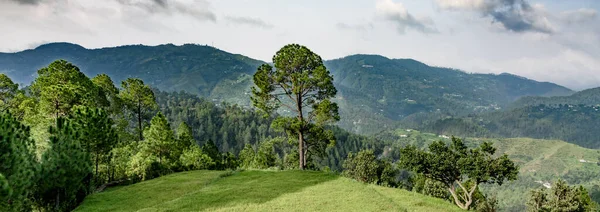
459, 168
561, 197
572, 123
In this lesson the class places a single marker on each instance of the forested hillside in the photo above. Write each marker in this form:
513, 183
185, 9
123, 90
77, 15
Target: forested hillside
374, 92
572, 118
395, 89
197, 69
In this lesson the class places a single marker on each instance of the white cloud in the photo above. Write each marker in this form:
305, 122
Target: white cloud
396, 13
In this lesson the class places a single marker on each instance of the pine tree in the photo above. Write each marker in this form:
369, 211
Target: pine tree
66, 170
17, 165
161, 140
96, 134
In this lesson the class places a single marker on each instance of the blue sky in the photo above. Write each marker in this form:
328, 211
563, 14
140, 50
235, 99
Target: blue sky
556, 41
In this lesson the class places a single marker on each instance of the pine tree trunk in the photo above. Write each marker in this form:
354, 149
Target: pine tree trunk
302, 157
301, 150
139, 112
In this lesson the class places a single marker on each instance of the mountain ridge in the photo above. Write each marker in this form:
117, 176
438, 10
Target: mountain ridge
373, 89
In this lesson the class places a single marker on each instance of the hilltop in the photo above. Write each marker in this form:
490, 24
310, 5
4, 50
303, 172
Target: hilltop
259, 191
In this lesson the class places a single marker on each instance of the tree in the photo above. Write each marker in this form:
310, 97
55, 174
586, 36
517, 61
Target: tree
194, 159
108, 93
209, 148
160, 140
561, 197
18, 166
8, 89
456, 165
185, 139
139, 99
362, 166
96, 133
302, 84
66, 170
61, 85
246, 156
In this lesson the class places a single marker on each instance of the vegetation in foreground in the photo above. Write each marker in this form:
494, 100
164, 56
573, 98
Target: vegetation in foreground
259, 191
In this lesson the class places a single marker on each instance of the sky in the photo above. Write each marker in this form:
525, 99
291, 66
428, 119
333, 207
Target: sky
546, 40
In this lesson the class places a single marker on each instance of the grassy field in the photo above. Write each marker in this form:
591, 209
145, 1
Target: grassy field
259, 191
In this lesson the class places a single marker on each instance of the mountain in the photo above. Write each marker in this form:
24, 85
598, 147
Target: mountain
586, 97
396, 89
197, 69
259, 191
571, 118
375, 92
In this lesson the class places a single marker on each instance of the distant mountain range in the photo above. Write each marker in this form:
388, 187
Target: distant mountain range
375, 92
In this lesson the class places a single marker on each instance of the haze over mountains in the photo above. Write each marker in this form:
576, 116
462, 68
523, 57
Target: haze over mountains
375, 93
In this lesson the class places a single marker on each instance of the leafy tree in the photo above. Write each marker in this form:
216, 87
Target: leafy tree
96, 133
265, 156
17, 165
139, 99
387, 173
362, 166
302, 84
61, 85
8, 89
456, 165
160, 140
229, 161
561, 197
247, 156
194, 159
66, 170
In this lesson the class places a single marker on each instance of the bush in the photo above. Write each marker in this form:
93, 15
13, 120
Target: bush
194, 159
362, 166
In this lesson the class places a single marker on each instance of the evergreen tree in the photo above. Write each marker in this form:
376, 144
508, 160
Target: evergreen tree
160, 140
61, 85
139, 99
8, 89
185, 139
66, 170
18, 165
302, 84
96, 133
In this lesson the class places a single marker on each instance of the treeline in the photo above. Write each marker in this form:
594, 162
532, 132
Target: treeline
572, 123
67, 135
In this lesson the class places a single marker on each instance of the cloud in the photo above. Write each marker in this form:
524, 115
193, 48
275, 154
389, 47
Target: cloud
199, 9
578, 16
396, 13
253, 22
513, 15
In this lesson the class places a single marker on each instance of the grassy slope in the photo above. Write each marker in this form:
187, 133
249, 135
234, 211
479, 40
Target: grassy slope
538, 159
259, 191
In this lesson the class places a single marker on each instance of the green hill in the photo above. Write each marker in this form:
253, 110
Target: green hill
540, 161
259, 191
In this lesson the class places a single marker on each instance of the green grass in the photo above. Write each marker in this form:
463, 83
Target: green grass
259, 191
